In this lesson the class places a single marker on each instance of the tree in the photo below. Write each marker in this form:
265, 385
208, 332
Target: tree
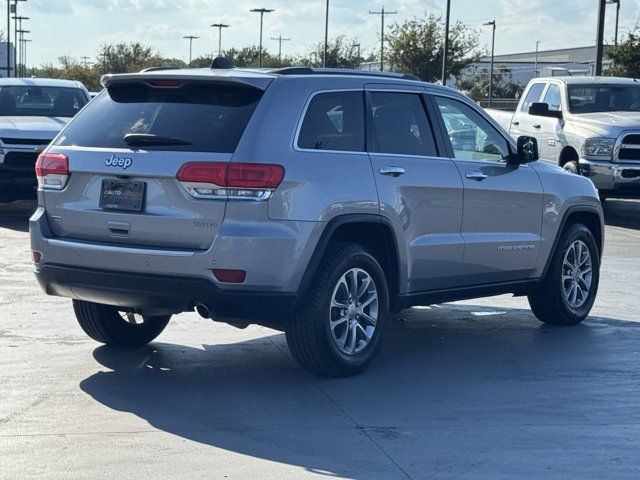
341, 53
128, 57
475, 83
416, 47
626, 57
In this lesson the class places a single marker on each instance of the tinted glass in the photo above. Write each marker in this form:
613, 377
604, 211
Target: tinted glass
206, 117
23, 101
533, 95
334, 121
552, 98
604, 98
400, 125
472, 137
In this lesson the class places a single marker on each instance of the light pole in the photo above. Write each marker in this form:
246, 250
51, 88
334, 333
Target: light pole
8, 37
326, 35
261, 11
493, 44
357, 45
535, 69
445, 52
191, 38
600, 37
617, 3
15, 32
220, 26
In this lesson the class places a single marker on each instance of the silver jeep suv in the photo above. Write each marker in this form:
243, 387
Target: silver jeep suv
317, 202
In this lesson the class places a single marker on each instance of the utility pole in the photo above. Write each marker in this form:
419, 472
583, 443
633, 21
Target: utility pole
85, 61
220, 26
261, 11
191, 38
445, 52
15, 32
493, 44
8, 37
280, 39
535, 69
617, 3
326, 35
105, 54
382, 14
600, 37
21, 41
357, 45
23, 49
17, 56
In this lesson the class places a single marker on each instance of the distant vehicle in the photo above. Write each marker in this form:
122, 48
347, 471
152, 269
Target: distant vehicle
32, 113
588, 125
313, 201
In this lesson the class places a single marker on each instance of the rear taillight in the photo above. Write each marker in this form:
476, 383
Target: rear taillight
52, 170
239, 181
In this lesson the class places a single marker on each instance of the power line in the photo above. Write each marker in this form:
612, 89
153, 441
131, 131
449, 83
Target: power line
280, 39
382, 14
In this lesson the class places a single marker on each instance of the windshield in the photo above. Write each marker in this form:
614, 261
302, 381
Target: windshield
205, 117
34, 101
604, 98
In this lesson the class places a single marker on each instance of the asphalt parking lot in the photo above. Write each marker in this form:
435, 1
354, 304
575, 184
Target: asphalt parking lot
476, 389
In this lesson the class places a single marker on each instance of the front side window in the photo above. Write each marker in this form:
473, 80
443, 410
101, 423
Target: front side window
552, 98
533, 95
334, 121
401, 125
35, 101
472, 137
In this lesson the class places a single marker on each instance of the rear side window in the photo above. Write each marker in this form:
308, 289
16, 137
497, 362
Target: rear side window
334, 121
400, 125
199, 117
533, 95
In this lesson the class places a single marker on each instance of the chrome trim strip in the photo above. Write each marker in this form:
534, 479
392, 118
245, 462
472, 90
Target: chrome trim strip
77, 245
619, 145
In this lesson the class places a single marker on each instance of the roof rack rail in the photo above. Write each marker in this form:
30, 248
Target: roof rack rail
158, 69
339, 71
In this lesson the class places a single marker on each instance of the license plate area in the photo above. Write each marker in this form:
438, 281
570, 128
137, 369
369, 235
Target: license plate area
122, 195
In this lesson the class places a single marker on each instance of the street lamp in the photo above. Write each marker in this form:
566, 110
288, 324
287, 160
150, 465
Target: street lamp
261, 11
535, 70
617, 3
191, 38
493, 44
220, 26
445, 52
326, 35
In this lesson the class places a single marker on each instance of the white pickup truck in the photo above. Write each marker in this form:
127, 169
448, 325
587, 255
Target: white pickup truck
588, 125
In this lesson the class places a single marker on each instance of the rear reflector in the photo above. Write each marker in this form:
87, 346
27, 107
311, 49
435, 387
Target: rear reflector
52, 171
230, 276
251, 181
36, 256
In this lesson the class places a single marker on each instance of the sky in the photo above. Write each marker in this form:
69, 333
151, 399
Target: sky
78, 27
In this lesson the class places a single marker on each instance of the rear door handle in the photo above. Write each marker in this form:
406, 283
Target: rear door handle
515, 123
476, 176
392, 171
536, 125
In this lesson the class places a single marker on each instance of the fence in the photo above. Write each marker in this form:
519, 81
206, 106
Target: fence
508, 104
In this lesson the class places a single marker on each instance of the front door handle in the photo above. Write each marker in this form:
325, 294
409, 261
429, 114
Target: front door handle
535, 125
476, 176
392, 171
515, 123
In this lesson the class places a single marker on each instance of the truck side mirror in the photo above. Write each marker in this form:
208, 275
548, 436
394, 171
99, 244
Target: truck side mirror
542, 110
527, 150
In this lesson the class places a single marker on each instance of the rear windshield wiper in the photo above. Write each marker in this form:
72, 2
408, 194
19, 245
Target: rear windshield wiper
139, 139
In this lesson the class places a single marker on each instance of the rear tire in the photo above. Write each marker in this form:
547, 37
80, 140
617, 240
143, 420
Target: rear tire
569, 289
337, 328
116, 328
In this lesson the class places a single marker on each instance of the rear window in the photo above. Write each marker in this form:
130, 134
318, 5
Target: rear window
334, 121
36, 101
199, 117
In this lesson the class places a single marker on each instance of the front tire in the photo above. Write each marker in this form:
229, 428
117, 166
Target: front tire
572, 167
337, 329
568, 291
118, 328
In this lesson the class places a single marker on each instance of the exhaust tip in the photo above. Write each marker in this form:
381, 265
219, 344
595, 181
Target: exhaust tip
203, 311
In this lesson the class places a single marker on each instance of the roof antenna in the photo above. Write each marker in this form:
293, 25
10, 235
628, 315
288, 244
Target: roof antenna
221, 63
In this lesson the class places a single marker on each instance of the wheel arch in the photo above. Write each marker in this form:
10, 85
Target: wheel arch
373, 232
568, 154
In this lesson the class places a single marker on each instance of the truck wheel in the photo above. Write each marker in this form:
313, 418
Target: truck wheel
572, 167
108, 325
567, 293
337, 328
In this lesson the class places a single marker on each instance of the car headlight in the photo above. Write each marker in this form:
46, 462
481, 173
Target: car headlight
598, 146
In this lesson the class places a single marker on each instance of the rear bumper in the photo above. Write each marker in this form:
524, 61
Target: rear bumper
158, 294
615, 179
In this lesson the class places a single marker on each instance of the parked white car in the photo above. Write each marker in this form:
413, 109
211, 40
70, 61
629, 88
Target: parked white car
588, 125
32, 113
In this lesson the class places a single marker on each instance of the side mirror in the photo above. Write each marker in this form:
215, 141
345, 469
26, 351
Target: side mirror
542, 110
527, 151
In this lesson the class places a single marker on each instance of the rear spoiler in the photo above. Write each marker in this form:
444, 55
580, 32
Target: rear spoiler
228, 77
